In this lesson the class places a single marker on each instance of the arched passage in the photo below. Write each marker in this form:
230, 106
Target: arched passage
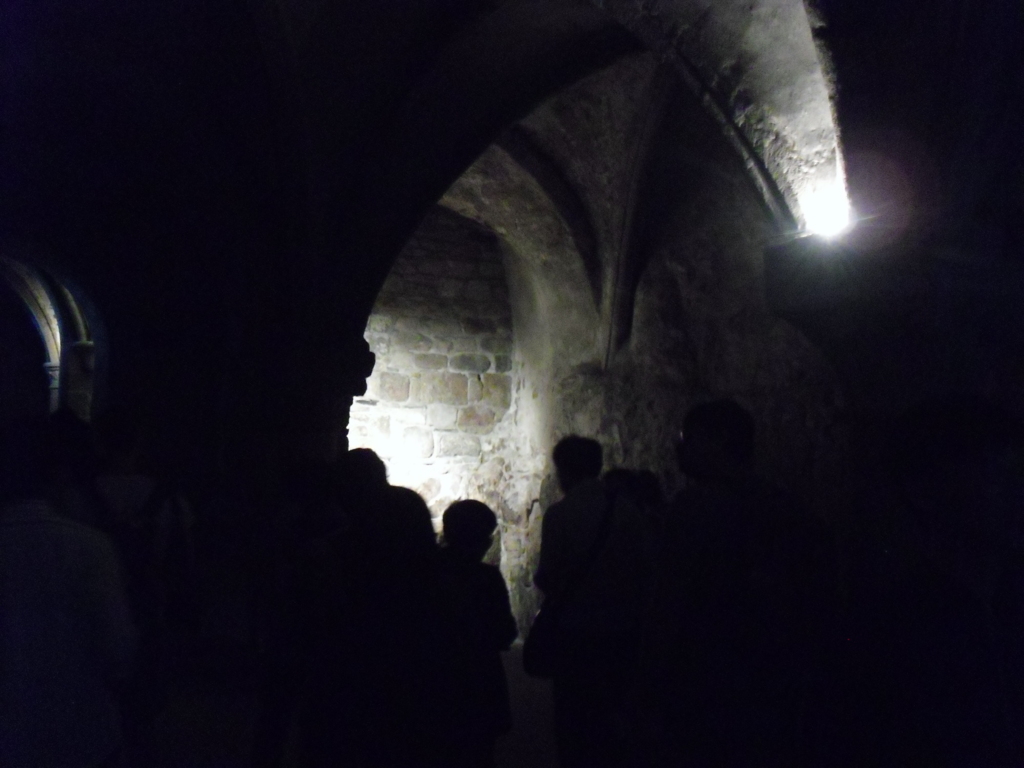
65, 333
480, 334
24, 380
631, 263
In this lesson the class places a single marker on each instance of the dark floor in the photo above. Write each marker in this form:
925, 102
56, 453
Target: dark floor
210, 724
531, 743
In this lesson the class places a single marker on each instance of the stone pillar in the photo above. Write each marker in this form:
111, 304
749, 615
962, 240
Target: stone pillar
352, 385
53, 376
320, 398
79, 379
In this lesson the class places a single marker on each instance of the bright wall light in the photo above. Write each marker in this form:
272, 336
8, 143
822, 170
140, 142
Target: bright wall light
826, 209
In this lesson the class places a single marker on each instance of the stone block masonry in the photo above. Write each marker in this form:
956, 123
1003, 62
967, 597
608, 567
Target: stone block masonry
440, 397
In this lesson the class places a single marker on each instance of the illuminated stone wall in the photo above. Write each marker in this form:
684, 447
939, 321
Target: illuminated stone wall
441, 389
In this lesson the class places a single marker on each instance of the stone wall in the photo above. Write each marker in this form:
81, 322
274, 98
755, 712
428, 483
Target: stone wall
442, 384
688, 258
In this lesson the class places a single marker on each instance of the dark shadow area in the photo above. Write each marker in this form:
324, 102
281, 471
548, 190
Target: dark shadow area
660, 480
24, 385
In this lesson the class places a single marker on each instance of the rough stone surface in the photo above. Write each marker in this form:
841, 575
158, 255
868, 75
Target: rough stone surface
419, 442
410, 341
442, 416
693, 325
393, 387
432, 362
497, 345
457, 444
433, 387
762, 59
437, 410
476, 389
497, 391
471, 363
477, 419
475, 326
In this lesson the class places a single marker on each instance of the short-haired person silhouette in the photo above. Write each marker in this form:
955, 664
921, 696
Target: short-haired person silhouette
339, 564
735, 610
717, 443
398, 670
595, 561
571, 525
484, 627
468, 527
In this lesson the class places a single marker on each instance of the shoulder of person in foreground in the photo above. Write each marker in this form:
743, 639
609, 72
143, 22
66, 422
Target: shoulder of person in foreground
104, 599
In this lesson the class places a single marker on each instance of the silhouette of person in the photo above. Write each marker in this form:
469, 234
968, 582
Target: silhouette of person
641, 487
336, 569
150, 527
74, 468
66, 634
649, 492
735, 617
288, 586
595, 559
934, 628
362, 476
484, 624
571, 525
621, 481
398, 671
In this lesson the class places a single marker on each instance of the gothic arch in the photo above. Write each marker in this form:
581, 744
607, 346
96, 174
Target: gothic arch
65, 330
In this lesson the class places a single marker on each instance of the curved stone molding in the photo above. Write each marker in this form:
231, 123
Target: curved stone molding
758, 69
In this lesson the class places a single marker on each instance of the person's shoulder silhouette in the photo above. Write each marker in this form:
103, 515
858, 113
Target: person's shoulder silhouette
469, 528
570, 526
66, 619
483, 627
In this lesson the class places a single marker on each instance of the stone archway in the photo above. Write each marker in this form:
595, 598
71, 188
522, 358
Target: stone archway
633, 284
449, 406
65, 331
440, 397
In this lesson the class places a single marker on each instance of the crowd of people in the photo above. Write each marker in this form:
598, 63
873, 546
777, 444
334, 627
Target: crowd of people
725, 626
730, 628
95, 559
382, 646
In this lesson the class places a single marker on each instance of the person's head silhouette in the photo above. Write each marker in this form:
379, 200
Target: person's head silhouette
364, 467
361, 477
717, 442
469, 528
403, 528
577, 459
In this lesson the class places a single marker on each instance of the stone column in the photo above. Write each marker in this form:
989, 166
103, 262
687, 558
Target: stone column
320, 397
359, 365
53, 376
79, 378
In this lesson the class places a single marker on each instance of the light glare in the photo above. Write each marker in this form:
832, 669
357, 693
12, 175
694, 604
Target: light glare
826, 210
